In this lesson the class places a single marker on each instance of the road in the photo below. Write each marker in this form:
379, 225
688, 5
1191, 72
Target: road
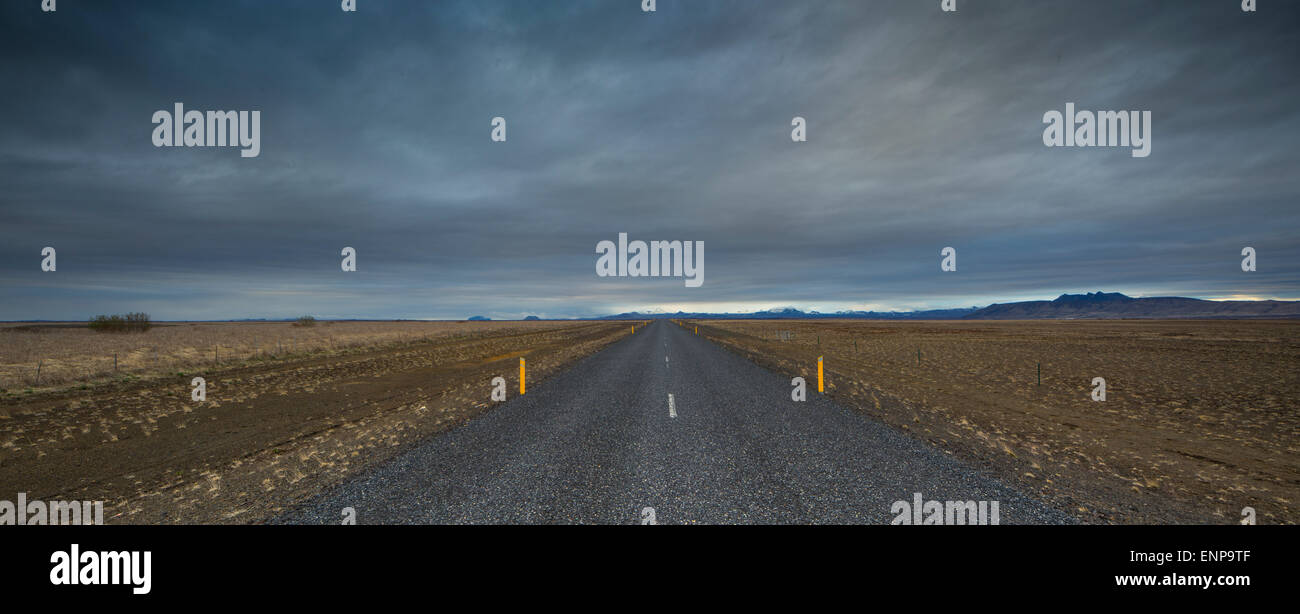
602, 442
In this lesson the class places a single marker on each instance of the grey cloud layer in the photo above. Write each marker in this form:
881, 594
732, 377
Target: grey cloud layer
924, 131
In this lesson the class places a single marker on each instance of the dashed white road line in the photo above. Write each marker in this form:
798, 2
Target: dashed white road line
672, 406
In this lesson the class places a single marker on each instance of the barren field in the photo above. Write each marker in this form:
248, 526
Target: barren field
69, 353
289, 410
1200, 418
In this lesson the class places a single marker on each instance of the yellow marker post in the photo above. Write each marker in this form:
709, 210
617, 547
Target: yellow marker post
522, 388
820, 389
633, 330
697, 330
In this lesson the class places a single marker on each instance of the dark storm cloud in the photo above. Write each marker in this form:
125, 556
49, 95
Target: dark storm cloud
924, 131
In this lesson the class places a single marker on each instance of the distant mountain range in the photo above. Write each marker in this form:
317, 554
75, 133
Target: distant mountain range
1096, 305
790, 313
1093, 305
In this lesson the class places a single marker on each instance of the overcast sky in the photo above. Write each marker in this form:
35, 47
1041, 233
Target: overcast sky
925, 130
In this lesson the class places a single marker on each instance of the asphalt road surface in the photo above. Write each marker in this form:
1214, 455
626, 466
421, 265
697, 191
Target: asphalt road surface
665, 420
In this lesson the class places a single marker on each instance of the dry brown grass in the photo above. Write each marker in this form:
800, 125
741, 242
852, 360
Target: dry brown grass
1202, 418
270, 434
70, 354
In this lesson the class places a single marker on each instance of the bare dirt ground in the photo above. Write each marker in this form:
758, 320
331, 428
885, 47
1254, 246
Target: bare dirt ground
38, 357
1201, 419
274, 429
